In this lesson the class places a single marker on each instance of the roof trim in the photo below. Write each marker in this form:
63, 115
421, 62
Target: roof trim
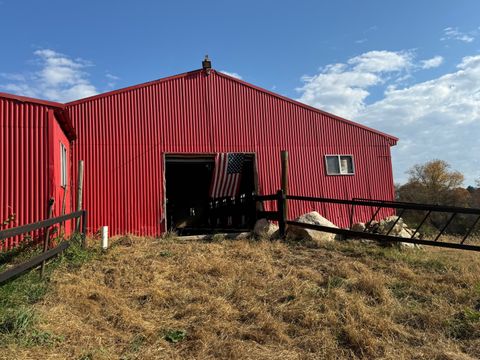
308, 107
392, 139
32, 100
133, 87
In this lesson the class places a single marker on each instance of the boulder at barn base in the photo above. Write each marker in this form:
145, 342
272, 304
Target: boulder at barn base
264, 229
314, 218
360, 227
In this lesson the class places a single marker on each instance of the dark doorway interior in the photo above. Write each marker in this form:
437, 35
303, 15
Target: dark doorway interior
189, 208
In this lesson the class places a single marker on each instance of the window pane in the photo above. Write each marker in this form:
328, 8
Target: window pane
63, 165
332, 165
346, 165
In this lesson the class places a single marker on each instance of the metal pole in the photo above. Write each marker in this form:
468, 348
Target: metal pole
79, 190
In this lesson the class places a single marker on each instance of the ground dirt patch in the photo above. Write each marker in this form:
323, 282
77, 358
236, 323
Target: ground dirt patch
171, 299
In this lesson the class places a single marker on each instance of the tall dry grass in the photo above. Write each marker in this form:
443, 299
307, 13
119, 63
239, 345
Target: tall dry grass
168, 299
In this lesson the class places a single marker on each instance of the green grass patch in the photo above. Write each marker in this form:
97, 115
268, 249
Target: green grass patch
464, 325
175, 336
18, 320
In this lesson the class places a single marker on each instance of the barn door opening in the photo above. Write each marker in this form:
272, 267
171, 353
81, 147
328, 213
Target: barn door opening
189, 206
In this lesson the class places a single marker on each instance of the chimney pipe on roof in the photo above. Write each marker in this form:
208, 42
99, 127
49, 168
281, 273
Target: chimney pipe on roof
207, 65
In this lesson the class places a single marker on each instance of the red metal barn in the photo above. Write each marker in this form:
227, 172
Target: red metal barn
141, 141
32, 134
125, 136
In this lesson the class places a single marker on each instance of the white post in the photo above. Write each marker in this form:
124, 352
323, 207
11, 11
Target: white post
104, 231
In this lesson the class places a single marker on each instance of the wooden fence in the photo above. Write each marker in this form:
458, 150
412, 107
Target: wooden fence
47, 253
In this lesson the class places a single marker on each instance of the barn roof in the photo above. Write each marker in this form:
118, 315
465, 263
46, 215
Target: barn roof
25, 99
391, 139
58, 108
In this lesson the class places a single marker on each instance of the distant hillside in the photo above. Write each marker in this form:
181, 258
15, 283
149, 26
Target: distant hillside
171, 299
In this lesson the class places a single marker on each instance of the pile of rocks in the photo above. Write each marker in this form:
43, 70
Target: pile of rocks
392, 225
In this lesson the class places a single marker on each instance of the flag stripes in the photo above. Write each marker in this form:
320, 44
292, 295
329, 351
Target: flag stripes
226, 175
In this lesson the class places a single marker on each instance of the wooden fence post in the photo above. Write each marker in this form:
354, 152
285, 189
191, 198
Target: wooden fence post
284, 181
79, 191
46, 241
282, 215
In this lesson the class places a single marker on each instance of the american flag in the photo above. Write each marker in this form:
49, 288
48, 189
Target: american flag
226, 175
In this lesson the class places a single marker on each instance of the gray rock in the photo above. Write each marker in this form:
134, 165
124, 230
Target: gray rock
386, 224
314, 218
264, 229
358, 227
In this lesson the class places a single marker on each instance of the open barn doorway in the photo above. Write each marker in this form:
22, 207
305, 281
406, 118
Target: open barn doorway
190, 208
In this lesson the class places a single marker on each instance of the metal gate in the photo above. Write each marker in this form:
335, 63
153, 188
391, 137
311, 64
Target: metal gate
438, 239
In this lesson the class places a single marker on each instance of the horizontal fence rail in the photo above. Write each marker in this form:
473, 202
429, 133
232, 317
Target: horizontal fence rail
48, 253
453, 211
387, 204
33, 262
7, 233
380, 237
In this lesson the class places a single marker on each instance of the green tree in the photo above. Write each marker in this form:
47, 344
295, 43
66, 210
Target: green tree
434, 182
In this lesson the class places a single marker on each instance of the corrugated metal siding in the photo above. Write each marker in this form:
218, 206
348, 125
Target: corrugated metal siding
23, 156
122, 138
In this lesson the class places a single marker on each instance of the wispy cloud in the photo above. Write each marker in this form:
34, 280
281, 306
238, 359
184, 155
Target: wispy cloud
232, 74
361, 41
57, 77
111, 80
433, 119
453, 33
434, 62
343, 87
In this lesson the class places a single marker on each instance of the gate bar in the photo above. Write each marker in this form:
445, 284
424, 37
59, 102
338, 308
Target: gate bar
470, 230
396, 221
373, 218
446, 225
421, 223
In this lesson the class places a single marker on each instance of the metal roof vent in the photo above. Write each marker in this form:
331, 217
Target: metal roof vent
207, 64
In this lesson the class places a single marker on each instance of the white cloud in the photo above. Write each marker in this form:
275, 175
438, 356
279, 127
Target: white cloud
58, 78
439, 118
434, 62
232, 74
342, 88
361, 41
452, 33
381, 61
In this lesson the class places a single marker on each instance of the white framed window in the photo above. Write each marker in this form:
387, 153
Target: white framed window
339, 164
63, 165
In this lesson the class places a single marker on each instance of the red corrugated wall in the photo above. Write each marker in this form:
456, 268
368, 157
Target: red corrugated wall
23, 156
122, 136
27, 162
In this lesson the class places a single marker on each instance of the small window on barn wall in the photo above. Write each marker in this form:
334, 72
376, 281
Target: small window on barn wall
63, 165
339, 164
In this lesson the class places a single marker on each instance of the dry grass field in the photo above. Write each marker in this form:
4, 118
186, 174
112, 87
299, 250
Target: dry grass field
173, 299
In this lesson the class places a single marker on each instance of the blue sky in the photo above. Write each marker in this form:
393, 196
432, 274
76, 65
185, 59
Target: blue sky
409, 68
